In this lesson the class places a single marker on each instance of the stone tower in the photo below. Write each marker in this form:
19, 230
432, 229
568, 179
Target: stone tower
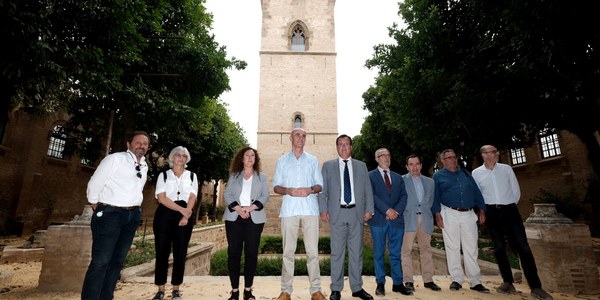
297, 84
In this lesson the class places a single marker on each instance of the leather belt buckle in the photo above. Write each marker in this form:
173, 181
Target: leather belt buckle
347, 206
130, 208
461, 209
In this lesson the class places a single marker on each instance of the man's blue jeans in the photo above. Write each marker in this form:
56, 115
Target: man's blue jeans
113, 230
393, 236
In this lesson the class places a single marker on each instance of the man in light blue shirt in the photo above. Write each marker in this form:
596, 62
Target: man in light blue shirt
298, 178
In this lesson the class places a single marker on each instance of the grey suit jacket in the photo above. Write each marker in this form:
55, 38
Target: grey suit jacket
329, 198
259, 192
413, 206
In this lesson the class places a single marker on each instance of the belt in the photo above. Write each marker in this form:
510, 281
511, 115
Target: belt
499, 206
120, 207
347, 205
461, 209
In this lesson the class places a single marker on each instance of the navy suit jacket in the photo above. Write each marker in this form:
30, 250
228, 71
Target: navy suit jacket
383, 200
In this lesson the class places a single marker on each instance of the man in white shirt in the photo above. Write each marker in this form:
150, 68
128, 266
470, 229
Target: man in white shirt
298, 178
501, 193
115, 193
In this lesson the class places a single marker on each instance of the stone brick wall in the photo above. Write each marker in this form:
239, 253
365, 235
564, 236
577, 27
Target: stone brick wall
213, 234
564, 256
36, 190
67, 254
566, 175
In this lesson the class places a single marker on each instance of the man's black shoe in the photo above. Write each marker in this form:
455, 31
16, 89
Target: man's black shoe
362, 294
400, 288
432, 286
480, 288
380, 290
410, 286
335, 295
455, 286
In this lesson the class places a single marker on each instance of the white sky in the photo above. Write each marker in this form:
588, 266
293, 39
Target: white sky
359, 25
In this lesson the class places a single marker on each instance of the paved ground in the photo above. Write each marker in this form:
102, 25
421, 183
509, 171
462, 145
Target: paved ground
19, 281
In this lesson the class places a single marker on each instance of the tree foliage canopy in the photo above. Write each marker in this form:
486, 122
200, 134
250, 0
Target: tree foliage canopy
119, 66
466, 73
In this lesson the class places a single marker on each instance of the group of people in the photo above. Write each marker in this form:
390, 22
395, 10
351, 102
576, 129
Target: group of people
343, 193
115, 194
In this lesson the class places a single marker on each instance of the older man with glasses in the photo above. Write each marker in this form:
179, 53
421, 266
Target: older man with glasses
501, 193
456, 197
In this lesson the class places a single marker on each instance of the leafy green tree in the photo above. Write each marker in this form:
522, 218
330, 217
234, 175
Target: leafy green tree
122, 66
467, 73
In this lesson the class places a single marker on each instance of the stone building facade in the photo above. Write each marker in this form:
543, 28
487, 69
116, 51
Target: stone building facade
297, 84
39, 188
557, 164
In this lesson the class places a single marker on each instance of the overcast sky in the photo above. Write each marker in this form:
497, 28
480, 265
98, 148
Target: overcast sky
359, 25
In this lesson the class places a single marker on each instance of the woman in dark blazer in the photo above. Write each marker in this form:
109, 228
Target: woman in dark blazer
246, 195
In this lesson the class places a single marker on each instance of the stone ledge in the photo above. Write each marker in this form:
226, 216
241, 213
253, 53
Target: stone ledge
196, 256
12, 254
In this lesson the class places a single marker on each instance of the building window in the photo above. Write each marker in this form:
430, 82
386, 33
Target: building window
517, 156
297, 121
298, 39
549, 144
58, 139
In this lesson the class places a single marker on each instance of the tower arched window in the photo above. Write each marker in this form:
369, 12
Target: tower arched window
58, 140
298, 39
297, 121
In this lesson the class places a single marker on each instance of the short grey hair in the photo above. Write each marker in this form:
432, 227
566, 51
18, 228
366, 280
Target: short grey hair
378, 151
177, 150
444, 153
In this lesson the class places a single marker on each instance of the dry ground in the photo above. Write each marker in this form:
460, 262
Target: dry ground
20, 280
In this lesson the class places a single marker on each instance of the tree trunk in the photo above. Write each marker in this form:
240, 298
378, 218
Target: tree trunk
593, 149
214, 212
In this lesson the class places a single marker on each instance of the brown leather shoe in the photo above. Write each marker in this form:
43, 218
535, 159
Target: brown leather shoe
283, 296
317, 296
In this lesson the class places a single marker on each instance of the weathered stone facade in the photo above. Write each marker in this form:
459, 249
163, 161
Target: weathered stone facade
37, 190
296, 85
568, 174
563, 252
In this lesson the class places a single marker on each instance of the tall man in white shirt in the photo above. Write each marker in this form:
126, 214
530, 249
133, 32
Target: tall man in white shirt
501, 193
298, 178
115, 193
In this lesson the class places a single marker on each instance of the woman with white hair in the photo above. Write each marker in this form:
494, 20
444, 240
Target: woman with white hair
176, 191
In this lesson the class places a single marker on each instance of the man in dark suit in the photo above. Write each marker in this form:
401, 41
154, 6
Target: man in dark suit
418, 223
346, 202
387, 224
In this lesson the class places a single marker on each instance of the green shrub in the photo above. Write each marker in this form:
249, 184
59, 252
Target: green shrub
142, 253
218, 263
274, 244
271, 266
